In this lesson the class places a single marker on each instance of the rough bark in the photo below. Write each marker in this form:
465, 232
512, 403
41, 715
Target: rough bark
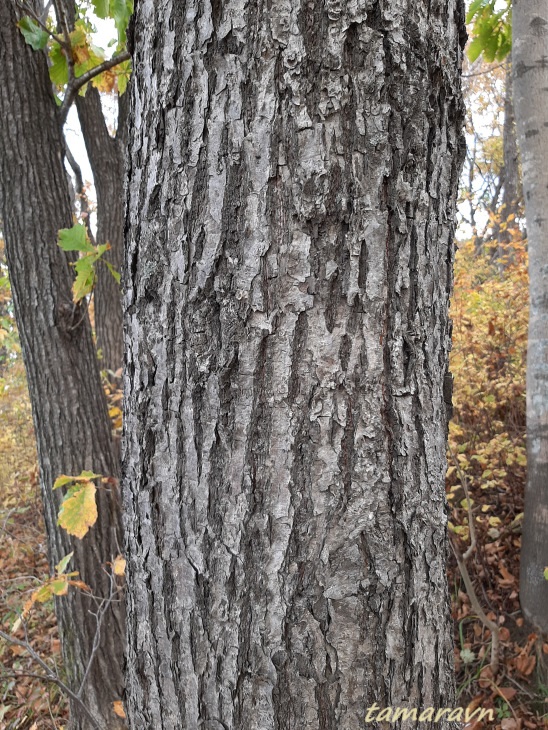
69, 410
530, 64
106, 156
293, 173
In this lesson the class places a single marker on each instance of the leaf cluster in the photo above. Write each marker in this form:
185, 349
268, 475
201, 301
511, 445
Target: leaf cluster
491, 29
77, 239
74, 52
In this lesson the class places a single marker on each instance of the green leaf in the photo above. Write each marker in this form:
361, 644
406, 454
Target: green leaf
475, 49
79, 510
75, 239
84, 476
62, 481
545, 573
113, 271
85, 277
473, 9
121, 11
63, 563
42, 594
59, 586
58, 69
101, 8
32, 33
123, 72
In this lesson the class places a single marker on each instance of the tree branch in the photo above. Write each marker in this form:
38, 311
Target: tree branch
50, 676
77, 82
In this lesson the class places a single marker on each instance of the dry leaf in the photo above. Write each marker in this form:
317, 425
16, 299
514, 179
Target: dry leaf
119, 565
118, 708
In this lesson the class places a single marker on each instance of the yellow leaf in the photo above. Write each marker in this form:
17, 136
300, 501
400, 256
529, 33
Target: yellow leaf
59, 586
79, 511
118, 708
119, 565
43, 594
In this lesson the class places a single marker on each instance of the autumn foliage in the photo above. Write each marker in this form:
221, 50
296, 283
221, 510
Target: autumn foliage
485, 480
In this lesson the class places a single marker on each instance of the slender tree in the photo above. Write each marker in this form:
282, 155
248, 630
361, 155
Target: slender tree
530, 64
106, 156
69, 410
293, 170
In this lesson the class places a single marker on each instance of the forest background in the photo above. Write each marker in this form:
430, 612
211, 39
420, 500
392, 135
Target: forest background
486, 447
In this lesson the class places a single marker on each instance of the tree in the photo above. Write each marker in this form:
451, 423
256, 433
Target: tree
106, 155
530, 54
529, 44
293, 174
69, 411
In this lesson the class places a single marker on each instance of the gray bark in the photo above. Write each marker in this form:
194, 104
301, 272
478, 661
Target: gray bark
509, 175
69, 410
292, 182
530, 54
106, 156
511, 192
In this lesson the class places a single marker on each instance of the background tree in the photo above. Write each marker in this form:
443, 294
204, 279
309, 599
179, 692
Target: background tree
106, 156
69, 411
292, 183
527, 24
530, 63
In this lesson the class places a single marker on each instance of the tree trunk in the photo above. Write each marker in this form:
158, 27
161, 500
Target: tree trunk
106, 158
511, 185
510, 171
69, 410
291, 200
530, 54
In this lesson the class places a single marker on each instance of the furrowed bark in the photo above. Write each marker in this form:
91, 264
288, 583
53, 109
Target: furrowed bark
70, 416
293, 173
106, 157
530, 66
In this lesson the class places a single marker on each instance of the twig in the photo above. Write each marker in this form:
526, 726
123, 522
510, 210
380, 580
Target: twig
40, 20
478, 609
497, 690
103, 608
461, 562
76, 83
84, 204
471, 527
45, 12
50, 676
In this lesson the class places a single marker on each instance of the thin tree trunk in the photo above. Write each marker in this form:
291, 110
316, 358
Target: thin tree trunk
106, 156
530, 54
511, 192
291, 200
69, 410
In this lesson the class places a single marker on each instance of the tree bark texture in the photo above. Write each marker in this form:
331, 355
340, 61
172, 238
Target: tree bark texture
69, 409
293, 172
530, 64
106, 156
